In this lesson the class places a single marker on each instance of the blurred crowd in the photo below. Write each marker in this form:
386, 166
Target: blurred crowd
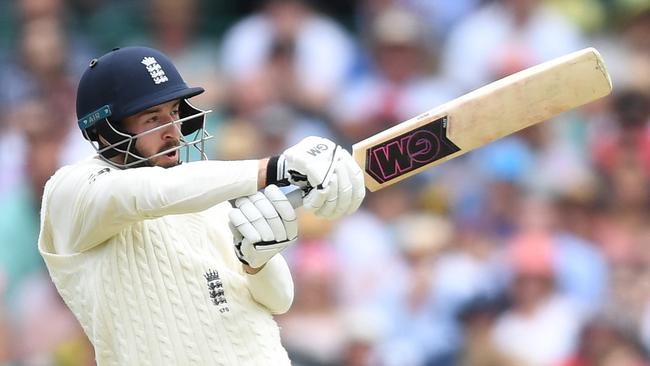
533, 250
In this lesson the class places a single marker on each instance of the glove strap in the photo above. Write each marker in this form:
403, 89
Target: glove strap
275, 172
239, 254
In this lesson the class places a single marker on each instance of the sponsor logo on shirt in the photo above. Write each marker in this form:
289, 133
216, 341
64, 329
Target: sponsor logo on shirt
94, 176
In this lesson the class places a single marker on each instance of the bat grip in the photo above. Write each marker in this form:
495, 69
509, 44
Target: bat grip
295, 198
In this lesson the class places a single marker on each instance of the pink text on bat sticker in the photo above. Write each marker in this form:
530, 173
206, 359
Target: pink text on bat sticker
409, 151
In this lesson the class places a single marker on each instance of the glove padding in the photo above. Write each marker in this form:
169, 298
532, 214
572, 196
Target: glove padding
263, 225
332, 180
307, 164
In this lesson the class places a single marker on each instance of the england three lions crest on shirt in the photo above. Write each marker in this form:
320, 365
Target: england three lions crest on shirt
216, 291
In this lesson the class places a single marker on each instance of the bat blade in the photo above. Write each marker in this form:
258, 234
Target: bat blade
482, 116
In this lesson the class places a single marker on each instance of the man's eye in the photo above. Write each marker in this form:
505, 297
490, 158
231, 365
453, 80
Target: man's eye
153, 119
175, 112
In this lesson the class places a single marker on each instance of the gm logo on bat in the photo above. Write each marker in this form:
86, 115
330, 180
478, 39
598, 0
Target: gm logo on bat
409, 151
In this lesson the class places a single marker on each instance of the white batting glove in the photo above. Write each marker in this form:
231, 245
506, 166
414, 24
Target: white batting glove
263, 225
343, 194
330, 176
307, 164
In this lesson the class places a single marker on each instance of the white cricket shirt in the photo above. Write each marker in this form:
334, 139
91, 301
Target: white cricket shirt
144, 258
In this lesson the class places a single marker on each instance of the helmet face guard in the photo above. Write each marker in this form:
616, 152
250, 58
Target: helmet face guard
125, 82
191, 128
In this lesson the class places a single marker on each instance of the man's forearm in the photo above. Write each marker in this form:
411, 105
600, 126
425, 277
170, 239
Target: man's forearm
261, 175
98, 206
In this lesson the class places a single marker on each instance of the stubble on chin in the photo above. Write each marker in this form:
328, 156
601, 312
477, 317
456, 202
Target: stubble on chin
162, 161
165, 165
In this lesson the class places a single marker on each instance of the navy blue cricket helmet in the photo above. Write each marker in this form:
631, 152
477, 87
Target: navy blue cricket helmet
127, 81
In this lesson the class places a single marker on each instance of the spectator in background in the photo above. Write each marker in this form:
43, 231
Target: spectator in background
277, 85
477, 319
173, 28
369, 259
245, 106
620, 152
438, 17
107, 24
603, 342
621, 227
362, 336
37, 65
547, 159
419, 330
78, 48
397, 84
291, 32
30, 10
372, 274
580, 272
636, 48
474, 259
40, 325
41, 70
13, 14
46, 332
313, 330
256, 108
542, 326
589, 15
503, 37
442, 16
36, 98
19, 217
625, 140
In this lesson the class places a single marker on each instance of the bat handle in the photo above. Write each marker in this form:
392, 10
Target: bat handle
295, 198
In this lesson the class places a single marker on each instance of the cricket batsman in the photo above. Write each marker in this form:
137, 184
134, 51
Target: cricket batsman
148, 252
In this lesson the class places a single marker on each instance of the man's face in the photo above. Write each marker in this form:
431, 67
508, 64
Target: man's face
161, 139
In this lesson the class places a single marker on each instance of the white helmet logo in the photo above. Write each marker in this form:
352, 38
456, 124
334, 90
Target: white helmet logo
156, 72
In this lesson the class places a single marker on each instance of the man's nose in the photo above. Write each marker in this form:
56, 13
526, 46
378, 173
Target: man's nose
172, 130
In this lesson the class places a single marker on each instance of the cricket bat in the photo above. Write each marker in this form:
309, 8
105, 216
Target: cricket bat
484, 115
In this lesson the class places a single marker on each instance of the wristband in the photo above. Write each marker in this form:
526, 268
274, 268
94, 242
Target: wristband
275, 172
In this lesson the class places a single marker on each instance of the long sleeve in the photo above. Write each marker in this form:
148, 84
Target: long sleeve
273, 286
90, 202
